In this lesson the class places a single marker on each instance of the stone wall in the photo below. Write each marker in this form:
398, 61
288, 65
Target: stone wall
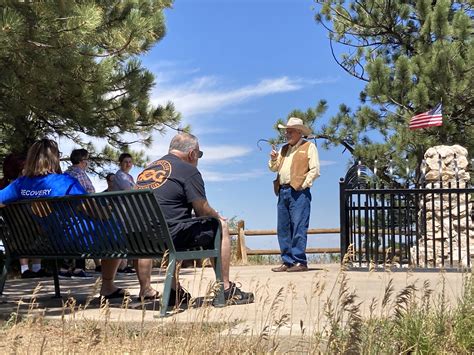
447, 223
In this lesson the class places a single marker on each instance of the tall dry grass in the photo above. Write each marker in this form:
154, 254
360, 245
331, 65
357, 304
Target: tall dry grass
414, 319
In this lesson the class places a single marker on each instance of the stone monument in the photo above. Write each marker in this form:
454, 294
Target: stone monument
445, 221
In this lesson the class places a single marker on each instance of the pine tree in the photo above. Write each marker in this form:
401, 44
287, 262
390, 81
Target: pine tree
412, 56
71, 68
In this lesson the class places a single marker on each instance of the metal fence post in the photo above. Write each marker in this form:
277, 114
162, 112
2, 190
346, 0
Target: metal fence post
344, 237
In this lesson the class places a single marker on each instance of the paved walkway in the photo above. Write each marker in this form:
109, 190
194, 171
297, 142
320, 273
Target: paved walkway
294, 301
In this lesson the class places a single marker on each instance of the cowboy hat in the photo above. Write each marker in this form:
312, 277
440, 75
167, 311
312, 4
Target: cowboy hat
296, 123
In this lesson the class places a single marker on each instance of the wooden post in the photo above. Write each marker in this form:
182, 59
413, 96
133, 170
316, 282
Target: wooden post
241, 248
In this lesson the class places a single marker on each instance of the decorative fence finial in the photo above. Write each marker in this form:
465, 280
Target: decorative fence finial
440, 168
423, 170
456, 167
407, 168
390, 166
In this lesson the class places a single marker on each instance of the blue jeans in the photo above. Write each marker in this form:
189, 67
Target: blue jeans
294, 208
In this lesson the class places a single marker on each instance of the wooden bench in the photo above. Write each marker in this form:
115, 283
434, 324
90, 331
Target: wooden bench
111, 225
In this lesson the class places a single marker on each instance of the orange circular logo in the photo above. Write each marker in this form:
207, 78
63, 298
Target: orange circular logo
155, 175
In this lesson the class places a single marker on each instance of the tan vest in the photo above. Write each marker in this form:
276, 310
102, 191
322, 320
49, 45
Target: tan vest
299, 167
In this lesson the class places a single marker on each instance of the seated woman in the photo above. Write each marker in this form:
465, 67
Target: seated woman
42, 178
12, 169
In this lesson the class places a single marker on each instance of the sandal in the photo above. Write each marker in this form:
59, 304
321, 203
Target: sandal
118, 293
154, 297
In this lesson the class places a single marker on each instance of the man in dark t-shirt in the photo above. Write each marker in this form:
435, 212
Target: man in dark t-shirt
179, 189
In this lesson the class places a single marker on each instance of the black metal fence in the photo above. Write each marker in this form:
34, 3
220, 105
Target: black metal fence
429, 226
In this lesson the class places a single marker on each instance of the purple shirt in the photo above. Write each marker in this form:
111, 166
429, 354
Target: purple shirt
123, 181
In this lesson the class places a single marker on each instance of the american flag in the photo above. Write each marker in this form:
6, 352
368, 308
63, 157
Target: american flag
429, 118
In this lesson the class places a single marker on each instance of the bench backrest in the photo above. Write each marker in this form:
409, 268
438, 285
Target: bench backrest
113, 224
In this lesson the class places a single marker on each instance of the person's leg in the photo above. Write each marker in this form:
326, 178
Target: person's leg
202, 233
66, 267
284, 229
36, 270
98, 265
300, 208
123, 264
144, 267
109, 269
24, 265
225, 253
232, 293
35, 265
80, 264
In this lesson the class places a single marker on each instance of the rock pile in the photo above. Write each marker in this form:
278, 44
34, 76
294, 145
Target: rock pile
446, 224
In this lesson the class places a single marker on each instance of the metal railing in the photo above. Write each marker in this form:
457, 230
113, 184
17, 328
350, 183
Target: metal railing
430, 226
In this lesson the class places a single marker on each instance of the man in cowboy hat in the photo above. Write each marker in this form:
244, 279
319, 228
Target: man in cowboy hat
297, 165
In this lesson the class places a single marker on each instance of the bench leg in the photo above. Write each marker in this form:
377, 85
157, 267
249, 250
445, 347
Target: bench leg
170, 275
3, 278
57, 291
219, 301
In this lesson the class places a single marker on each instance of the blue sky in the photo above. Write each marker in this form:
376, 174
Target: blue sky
233, 68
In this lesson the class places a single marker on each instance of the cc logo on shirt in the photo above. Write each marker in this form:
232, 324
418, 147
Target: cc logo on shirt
155, 175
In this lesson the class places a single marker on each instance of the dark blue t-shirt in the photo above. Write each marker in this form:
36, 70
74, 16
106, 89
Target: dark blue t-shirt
52, 185
176, 184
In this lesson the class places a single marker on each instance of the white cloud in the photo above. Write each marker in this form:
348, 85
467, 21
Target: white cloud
206, 94
327, 162
199, 95
219, 153
202, 130
215, 176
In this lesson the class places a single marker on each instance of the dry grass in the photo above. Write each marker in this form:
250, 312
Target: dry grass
412, 320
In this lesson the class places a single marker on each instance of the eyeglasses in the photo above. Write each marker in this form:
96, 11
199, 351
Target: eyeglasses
198, 152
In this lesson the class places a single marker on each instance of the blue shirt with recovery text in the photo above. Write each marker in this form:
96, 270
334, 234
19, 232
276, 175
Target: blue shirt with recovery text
52, 185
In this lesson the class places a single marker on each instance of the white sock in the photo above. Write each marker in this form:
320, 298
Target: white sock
36, 267
24, 268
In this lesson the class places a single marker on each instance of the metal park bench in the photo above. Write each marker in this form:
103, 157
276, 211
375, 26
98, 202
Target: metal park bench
111, 225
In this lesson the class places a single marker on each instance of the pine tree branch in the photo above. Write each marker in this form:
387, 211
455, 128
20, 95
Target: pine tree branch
395, 102
354, 74
334, 140
117, 96
110, 54
39, 45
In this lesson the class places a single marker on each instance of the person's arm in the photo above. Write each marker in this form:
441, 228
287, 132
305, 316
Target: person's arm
75, 188
202, 209
275, 158
87, 184
9, 193
313, 162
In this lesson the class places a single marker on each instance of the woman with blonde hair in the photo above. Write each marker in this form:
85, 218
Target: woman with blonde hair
42, 178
